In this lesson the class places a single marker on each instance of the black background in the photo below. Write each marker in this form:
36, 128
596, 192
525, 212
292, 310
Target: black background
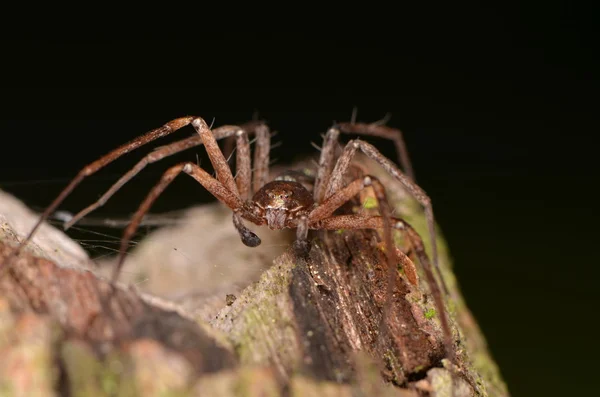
498, 111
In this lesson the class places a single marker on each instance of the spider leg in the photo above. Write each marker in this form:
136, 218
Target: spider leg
229, 143
325, 210
382, 131
336, 200
243, 175
242, 163
326, 161
301, 246
214, 186
261, 157
330, 142
93, 167
407, 265
333, 202
321, 218
152, 157
215, 155
148, 159
225, 176
379, 222
339, 171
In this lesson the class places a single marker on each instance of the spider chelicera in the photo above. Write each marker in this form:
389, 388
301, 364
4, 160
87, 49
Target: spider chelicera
283, 202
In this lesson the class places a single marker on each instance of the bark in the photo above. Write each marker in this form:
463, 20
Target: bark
295, 327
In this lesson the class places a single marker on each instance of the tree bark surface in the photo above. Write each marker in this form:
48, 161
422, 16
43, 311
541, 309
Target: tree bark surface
287, 326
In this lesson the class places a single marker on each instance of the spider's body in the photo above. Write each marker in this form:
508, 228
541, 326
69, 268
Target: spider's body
281, 203
284, 202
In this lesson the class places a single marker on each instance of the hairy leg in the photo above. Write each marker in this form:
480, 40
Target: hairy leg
93, 167
156, 155
215, 155
336, 200
407, 265
379, 222
225, 176
243, 175
325, 210
326, 162
261, 157
214, 186
243, 171
382, 131
330, 142
337, 179
223, 188
229, 143
336, 195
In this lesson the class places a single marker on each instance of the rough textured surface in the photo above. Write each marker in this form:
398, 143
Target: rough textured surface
27, 367
16, 220
300, 327
190, 262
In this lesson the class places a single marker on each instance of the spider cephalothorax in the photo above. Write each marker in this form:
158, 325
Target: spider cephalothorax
282, 202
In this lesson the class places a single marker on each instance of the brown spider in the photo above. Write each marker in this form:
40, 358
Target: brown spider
283, 202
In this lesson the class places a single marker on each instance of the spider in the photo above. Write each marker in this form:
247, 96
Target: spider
284, 202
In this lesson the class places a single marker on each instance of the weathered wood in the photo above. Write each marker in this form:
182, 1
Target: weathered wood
90, 309
305, 326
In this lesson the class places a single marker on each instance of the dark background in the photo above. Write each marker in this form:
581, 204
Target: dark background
499, 116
